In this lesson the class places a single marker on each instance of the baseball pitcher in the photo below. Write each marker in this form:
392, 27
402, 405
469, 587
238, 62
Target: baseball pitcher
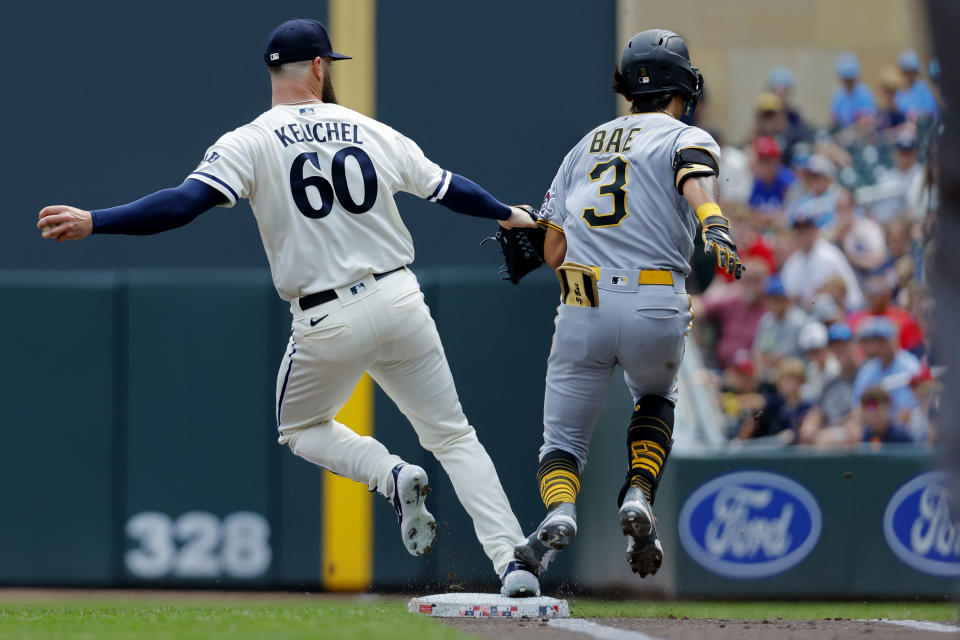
620, 220
320, 179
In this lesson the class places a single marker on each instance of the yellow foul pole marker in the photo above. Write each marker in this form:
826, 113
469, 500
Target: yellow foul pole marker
347, 517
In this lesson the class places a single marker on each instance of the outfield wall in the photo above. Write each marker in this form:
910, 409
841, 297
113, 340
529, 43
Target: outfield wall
139, 448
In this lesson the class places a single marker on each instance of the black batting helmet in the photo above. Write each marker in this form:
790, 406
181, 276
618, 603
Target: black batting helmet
657, 60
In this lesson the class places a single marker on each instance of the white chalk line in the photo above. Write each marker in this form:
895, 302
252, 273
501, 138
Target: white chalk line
603, 632
598, 631
920, 625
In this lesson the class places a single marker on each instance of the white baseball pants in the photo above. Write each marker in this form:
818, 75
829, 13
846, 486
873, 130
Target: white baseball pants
384, 327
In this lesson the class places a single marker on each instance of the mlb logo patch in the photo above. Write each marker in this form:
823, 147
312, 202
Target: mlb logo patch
357, 288
620, 281
306, 111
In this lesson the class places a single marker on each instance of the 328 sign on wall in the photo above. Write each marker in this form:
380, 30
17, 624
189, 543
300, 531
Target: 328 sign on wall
198, 545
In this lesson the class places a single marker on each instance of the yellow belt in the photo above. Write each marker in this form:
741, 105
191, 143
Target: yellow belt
578, 283
656, 277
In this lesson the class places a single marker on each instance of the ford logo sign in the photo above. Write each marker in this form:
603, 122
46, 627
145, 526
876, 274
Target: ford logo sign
750, 524
920, 527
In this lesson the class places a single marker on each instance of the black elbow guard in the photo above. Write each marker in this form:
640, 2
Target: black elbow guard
690, 162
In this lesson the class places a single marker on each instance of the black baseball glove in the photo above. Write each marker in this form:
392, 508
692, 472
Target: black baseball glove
522, 249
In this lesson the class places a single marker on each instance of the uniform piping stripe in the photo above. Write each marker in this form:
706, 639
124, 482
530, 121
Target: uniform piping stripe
286, 379
546, 223
441, 189
218, 181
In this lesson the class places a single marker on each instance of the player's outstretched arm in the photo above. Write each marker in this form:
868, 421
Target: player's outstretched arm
465, 196
157, 212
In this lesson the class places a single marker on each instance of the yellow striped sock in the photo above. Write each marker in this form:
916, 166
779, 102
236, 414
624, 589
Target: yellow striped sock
559, 482
647, 456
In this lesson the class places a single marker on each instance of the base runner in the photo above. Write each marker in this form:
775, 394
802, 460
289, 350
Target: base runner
620, 220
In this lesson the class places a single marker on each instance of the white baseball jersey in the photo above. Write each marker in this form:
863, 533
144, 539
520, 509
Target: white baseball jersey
321, 178
614, 195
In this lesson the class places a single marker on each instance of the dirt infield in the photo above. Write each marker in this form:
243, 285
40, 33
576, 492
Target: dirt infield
658, 629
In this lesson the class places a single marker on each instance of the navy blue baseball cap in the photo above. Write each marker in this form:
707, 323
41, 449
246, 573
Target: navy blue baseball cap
299, 39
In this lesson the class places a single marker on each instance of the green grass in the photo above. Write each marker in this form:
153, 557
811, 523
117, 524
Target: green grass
212, 617
765, 610
182, 621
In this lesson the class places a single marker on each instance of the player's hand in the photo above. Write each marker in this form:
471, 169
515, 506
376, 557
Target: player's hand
522, 216
717, 240
61, 223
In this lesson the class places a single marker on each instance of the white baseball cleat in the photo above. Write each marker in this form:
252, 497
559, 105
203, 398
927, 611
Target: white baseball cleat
519, 581
418, 527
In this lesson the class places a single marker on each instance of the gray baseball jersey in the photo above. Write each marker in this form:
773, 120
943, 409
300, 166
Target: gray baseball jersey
614, 196
615, 201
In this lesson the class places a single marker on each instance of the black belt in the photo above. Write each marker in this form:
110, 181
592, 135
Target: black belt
314, 299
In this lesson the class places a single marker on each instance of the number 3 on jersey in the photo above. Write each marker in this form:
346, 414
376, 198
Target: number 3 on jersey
338, 173
614, 188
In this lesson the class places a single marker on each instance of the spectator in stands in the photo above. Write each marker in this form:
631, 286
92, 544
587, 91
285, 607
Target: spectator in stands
853, 99
782, 410
807, 269
904, 256
771, 118
895, 181
915, 100
922, 423
860, 238
736, 312
821, 365
878, 425
780, 83
739, 396
836, 287
889, 117
887, 365
778, 329
771, 178
818, 200
825, 422
899, 242
879, 290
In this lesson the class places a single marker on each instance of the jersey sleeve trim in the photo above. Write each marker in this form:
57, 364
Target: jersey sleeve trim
442, 187
546, 223
705, 150
217, 184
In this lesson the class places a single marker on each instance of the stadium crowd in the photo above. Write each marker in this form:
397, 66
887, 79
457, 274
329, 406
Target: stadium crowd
827, 340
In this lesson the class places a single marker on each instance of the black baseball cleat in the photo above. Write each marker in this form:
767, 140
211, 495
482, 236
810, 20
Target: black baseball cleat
418, 528
554, 534
644, 552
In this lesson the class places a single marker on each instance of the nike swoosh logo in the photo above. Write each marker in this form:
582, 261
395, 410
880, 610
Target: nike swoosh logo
315, 321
